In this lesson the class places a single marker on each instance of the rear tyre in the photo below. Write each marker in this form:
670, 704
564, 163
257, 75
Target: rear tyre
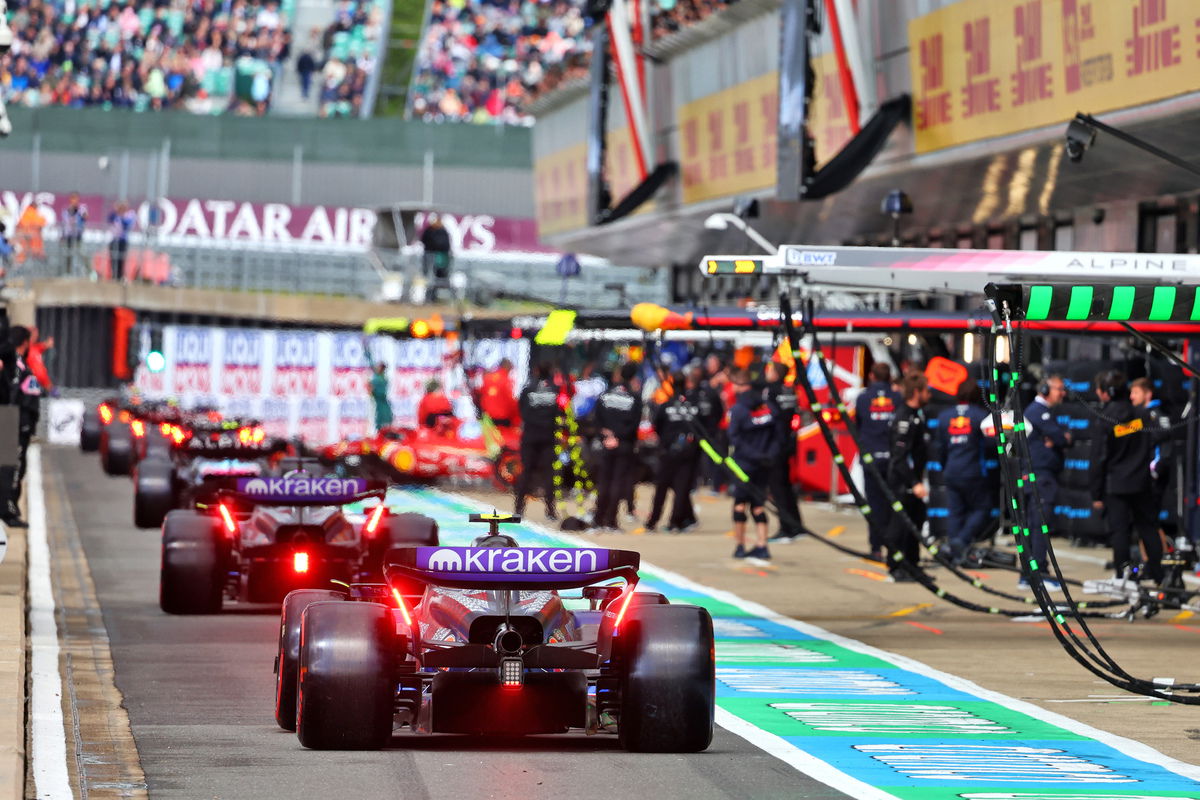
347, 692
89, 432
191, 580
668, 690
287, 663
153, 492
116, 449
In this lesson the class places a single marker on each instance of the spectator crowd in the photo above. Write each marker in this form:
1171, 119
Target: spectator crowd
480, 60
146, 54
340, 58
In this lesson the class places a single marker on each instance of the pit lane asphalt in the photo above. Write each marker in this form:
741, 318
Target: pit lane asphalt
199, 693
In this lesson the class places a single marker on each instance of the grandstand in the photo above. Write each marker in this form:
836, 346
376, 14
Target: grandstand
479, 61
238, 57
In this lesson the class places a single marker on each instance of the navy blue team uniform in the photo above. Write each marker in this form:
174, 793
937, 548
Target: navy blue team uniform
963, 450
1047, 440
541, 420
754, 439
875, 409
908, 456
618, 411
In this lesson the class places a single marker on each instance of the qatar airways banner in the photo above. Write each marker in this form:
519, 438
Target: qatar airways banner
199, 221
317, 384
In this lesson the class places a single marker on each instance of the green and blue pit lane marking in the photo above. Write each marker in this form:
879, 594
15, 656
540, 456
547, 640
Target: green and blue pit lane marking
870, 723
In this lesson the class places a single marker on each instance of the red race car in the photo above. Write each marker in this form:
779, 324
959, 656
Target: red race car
426, 455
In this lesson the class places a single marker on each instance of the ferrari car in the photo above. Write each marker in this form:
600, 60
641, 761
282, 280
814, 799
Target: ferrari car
425, 455
264, 537
487, 640
202, 454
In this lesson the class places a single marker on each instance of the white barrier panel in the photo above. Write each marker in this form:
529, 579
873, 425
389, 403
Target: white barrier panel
64, 421
316, 384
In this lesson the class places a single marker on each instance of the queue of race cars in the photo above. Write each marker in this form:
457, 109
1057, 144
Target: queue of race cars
383, 627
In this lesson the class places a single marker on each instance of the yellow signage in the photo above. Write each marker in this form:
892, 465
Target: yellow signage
983, 68
560, 190
727, 139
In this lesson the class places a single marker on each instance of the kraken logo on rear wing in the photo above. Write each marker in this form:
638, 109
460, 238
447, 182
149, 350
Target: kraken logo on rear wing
513, 567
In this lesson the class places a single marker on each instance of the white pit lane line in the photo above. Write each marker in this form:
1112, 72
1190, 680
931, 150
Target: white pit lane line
48, 738
822, 770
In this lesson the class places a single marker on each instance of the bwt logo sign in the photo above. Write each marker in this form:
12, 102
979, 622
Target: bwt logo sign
542, 560
193, 346
809, 258
295, 350
243, 349
348, 352
302, 487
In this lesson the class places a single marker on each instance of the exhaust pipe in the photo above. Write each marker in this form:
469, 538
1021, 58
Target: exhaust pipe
508, 641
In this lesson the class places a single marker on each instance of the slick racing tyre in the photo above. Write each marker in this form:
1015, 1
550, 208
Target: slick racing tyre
116, 449
287, 662
668, 690
156, 444
507, 469
192, 578
347, 692
153, 492
401, 530
89, 432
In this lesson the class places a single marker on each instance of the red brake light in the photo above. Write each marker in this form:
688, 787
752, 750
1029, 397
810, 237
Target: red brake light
244, 435
624, 608
138, 428
403, 607
165, 429
230, 524
177, 434
106, 414
300, 562
258, 435
124, 416
373, 520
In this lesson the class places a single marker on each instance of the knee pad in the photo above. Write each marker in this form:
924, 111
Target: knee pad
739, 514
760, 516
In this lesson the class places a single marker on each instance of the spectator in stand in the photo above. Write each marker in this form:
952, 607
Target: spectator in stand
306, 65
29, 234
120, 223
74, 220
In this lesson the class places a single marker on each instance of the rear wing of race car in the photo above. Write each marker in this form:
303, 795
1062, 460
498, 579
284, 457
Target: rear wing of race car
530, 568
302, 491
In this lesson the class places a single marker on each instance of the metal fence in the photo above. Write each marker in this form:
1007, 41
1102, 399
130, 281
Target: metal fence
483, 279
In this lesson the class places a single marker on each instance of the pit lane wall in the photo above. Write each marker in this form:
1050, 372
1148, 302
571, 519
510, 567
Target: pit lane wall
314, 383
993, 83
12, 665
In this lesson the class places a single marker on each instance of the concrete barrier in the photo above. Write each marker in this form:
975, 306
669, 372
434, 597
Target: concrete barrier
12, 669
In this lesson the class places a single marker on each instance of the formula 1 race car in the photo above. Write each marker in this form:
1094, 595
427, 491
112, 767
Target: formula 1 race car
203, 453
482, 640
265, 537
425, 455
127, 431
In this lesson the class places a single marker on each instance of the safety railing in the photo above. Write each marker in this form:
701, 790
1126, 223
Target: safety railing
480, 280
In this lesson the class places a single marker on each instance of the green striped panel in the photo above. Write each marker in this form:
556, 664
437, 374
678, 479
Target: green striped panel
1081, 302
1039, 302
1163, 307
1122, 302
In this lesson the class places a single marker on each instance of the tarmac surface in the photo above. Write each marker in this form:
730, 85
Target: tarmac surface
182, 706
198, 692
